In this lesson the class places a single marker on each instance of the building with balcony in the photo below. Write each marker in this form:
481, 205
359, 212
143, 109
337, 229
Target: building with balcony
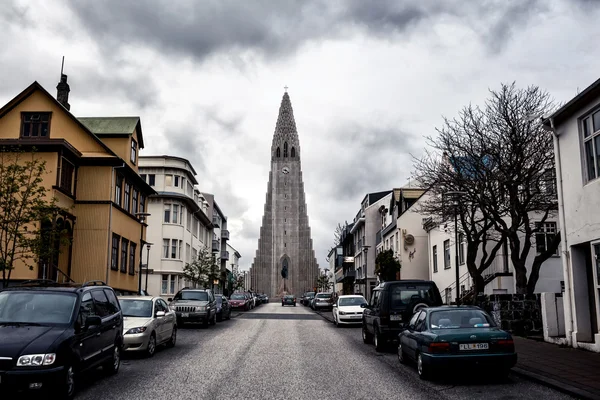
92, 171
335, 257
178, 224
219, 241
366, 225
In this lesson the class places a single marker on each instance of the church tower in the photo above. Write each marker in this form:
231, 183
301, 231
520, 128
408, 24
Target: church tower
285, 261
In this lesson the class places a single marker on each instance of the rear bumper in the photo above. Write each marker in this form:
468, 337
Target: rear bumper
492, 361
18, 380
319, 306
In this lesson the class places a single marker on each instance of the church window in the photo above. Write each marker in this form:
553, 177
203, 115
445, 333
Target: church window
293, 152
285, 149
278, 152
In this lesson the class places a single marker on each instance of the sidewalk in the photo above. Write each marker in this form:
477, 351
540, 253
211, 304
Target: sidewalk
573, 371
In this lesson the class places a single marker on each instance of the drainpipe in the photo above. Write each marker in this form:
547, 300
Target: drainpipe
563, 242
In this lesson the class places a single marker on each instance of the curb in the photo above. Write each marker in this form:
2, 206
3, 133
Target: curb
555, 384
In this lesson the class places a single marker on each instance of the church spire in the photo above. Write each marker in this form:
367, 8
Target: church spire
285, 138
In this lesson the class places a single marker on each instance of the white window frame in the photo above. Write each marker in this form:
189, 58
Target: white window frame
447, 251
547, 228
587, 121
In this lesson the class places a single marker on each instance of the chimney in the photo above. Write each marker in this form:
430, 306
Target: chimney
62, 92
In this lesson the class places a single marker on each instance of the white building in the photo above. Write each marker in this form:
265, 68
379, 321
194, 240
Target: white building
576, 131
335, 258
178, 225
403, 233
367, 224
499, 276
220, 236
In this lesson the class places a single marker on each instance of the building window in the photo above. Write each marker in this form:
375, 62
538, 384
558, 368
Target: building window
114, 259
151, 179
278, 152
142, 203
544, 236
134, 201
446, 254
168, 284
293, 152
127, 198
434, 256
167, 219
176, 179
118, 189
67, 170
124, 248
133, 151
448, 296
285, 149
175, 215
168, 180
195, 227
35, 125
132, 247
166, 243
591, 145
189, 221
165, 284
143, 176
188, 252
461, 248
174, 248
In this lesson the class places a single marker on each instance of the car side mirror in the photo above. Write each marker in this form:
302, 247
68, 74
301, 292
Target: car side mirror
334, 305
170, 299
160, 314
92, 320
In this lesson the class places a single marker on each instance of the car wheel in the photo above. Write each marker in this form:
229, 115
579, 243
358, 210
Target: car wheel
401, 356
367, 339
151, 348
220, 317
111, 367
67, 387
422, 369
173, 339
379, 344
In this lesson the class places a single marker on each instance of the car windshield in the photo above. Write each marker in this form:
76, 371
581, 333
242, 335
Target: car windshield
189, 295
136, 308
238, 297
457, 319
323, 295
289, 297
352, 301
36, 307
403, 296
310, 294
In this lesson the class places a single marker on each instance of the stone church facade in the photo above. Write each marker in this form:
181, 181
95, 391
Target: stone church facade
285, 247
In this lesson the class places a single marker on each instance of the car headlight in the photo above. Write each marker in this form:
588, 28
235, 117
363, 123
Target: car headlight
342, 313
173, 308
200, 308
35, 360
137, 330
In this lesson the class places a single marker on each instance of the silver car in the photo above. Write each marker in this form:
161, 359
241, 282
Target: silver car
147, 323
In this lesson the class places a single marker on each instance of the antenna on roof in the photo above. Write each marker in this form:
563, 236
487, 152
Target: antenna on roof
62, 66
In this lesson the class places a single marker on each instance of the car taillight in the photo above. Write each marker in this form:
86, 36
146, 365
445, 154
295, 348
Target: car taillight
506, 345
294, 299
439, 347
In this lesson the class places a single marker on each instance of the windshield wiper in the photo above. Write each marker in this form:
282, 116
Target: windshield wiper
20, 324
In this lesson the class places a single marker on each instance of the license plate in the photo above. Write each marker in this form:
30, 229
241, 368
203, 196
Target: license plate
395, 317
185, 315
356, 316
475, 346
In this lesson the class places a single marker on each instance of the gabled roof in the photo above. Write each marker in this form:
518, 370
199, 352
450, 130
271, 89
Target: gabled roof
574, 104
114, 126
18, 99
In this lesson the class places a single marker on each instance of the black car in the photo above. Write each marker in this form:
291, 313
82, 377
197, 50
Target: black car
289, 300
391, 307
223, 308
307, 298
50, 333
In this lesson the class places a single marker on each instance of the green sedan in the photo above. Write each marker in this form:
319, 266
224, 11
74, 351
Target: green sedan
455, 337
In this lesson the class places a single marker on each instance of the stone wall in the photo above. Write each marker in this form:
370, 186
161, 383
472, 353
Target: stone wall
517, 313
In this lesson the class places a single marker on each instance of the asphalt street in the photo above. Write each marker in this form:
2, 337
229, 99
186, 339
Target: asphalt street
275, 352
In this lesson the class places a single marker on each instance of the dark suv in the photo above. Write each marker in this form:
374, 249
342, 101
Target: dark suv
50, 333
195, 305
391, 307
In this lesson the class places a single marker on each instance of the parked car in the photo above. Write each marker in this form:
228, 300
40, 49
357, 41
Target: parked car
194, 305
289, 300
322, 301
347, 310
264, 298
240, 300
392, 305
51, 333
223, 308
307, 298
456, 337
148, 323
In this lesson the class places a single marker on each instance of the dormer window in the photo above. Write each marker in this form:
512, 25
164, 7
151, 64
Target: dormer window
35, 125
133, 151
285, 149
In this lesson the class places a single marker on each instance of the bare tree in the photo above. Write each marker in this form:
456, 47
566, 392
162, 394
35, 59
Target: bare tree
337, 236
504, 161
24, 204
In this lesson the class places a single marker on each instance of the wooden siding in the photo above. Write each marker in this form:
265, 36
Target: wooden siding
90, 242
94, 183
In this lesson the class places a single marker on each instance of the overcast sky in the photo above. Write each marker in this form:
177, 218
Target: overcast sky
367, 80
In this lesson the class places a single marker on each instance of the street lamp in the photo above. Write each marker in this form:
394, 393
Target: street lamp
365, 250
455, 195
142, 217
148, 245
